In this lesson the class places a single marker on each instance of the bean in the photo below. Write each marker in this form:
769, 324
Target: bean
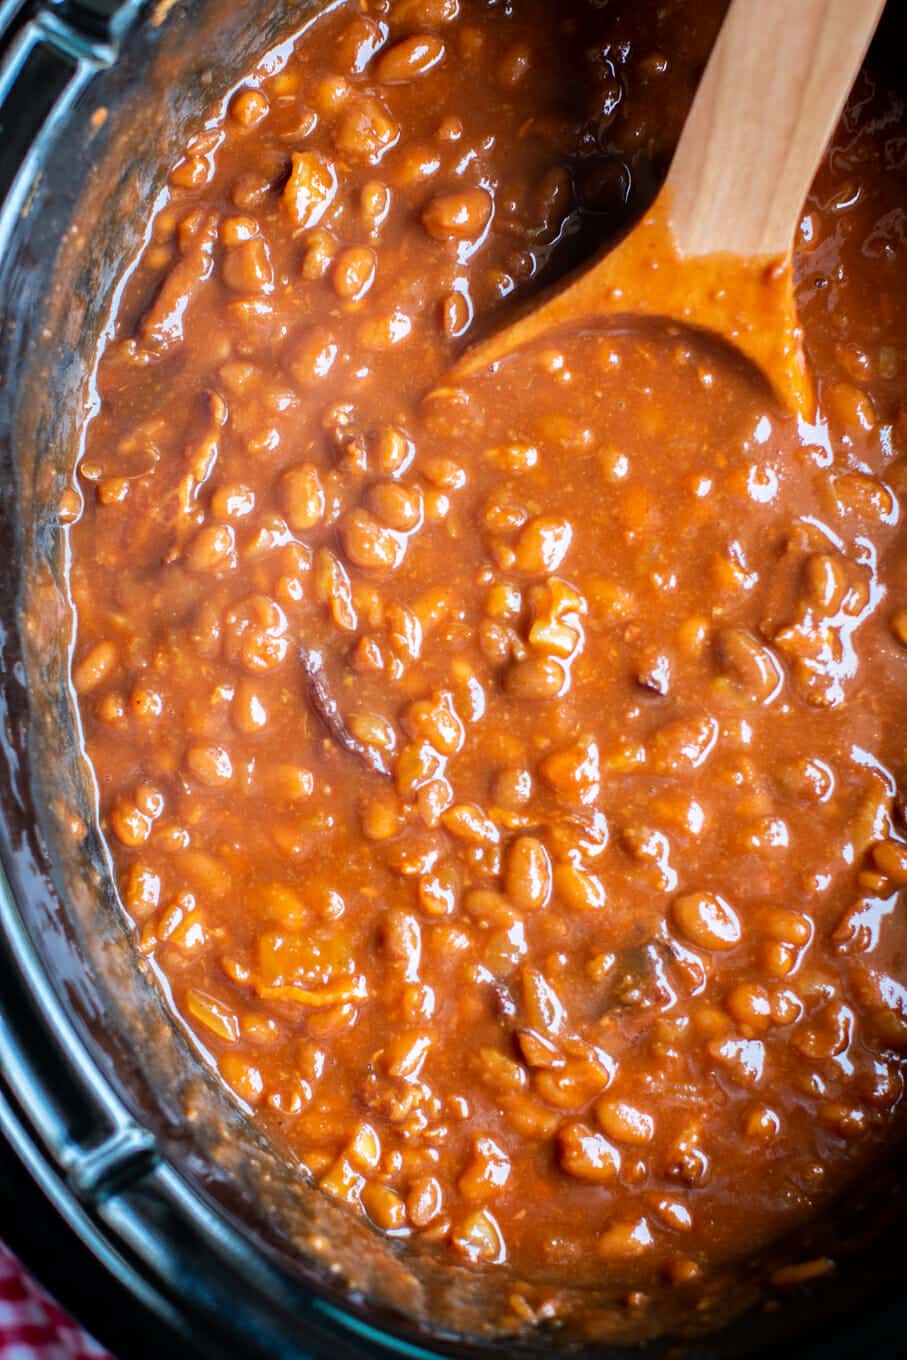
366, 131
382, 818
706, 921
479, 1238
290, 783
543, 544
850, 407
302, 497
538, 677
384, 1206
587, 1155
439, 891
578, 889
233, 501
374, 204
683, 745
249, 107
513, 787
310, 189
397, 506
243, 1077
435, 720
750, 1005
248, 712
857, 493
514, 65
469, 823
192, 173
212, 549
501, 1072
749, 664
410, 59
424, 1201
358, 43
311, 356
142, 894
574, 771
95, 667
529, 879
890, 858
371, 545
625, 1239
488, 1171
459, 216
210, 764
456, 314
415, 165
354, 272
130, 826
384, 332
424, 14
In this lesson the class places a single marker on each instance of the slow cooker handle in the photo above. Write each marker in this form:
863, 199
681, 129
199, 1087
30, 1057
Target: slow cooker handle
48, 53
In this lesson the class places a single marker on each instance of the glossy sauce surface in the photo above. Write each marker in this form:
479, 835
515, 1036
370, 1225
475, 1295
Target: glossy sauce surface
504, 777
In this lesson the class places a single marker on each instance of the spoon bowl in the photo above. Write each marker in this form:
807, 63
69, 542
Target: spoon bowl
715, 251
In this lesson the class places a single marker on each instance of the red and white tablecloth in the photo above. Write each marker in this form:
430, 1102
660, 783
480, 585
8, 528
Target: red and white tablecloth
32, 1327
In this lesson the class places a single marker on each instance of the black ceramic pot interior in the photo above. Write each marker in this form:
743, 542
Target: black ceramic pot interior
194, 1206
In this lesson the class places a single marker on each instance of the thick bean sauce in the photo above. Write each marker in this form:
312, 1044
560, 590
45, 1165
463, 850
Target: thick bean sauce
505, 778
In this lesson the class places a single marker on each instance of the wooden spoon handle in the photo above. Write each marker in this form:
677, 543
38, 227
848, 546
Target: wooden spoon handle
768, 103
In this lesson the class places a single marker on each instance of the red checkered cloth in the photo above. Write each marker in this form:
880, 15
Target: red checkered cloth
32, 1327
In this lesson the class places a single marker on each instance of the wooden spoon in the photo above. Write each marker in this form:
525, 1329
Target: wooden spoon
715, 251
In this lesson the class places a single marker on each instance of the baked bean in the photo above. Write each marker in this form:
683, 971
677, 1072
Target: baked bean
146, 704
578, 889
750, 1005
366, 131
543, 544
574, 771
95, 667
587, 1155
354, 272
461, 216
488, 1171
247, 267
384, 1206
399, 507
469, 823
302, 496
371, 545
478, 1237
539, 677
311, 356
310, 190
210, 764
411, 58
243, 1077
528, 881
248, 107
456, 314
706, 921
436, 721
424, 14
212, 549
625, 1239
890, 858
384, 332
358, 44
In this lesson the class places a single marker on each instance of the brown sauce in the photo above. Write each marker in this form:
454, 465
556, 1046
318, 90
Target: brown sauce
505, 777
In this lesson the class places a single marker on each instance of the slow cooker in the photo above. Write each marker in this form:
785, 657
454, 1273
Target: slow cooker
169, 1232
